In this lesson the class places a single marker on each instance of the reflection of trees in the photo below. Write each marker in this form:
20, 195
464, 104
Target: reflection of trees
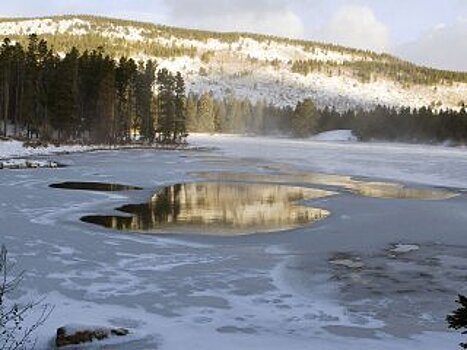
221, 206
164, 208
363, 188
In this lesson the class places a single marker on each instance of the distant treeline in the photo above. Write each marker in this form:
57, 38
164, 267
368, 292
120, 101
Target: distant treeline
87, 96
113, 46
232, 115
367, 71
417, 125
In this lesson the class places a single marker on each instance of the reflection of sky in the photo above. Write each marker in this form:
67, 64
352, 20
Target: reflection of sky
398, 22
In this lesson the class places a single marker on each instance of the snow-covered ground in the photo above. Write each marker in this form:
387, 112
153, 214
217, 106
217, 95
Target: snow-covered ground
378, 274
15, 149
335, 136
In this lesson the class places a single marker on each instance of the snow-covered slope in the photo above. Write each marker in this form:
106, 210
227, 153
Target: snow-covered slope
253, 66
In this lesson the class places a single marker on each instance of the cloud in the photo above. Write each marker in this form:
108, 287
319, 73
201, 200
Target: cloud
444, 46
356, 26
260, 16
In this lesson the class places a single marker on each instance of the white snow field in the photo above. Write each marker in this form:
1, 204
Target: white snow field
377, 274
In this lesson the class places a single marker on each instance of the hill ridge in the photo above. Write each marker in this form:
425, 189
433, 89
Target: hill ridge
281, 70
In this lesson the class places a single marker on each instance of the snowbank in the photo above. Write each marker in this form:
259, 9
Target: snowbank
15, 149
335, 136
27, 164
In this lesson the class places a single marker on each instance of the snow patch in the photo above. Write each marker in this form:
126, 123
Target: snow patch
45, 26
335, 136
404, 248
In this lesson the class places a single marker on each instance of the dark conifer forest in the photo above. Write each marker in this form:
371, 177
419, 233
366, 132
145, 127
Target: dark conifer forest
86, 97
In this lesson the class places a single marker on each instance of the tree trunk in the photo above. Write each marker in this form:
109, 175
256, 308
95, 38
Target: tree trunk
6, 106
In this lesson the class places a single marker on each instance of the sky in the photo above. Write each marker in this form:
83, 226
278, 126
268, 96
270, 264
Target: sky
428, 32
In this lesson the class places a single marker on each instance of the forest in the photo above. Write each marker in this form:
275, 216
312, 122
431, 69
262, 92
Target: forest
87, 97
367, 71
90, 97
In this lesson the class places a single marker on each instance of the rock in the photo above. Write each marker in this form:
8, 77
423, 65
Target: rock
119, 332
32, 164
347, 263
74, 335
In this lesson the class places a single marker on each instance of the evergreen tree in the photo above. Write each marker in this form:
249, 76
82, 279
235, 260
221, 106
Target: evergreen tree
206, 113
6, 73
126, 117
305, 119
105, 106
171, 101
192, 112
166, 106
63, 97
179, 132
144, 99
458, 319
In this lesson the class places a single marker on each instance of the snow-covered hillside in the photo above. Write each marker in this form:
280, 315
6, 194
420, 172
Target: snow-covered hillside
252, 66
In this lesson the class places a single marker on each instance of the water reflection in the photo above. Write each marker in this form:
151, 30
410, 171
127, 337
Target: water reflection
94, 186
363, 188
218, 209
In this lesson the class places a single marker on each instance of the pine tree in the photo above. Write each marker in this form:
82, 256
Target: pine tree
206, 113
458, 319
305, 119
63, 97
145, 98
180, 131
166, 106
126, 117
6, 67
105, 106
192, 112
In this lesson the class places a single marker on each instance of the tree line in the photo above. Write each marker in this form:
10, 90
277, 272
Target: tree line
205, 113
366, 71
87, 96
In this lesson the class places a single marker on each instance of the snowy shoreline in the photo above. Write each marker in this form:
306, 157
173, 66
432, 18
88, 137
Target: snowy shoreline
13, 155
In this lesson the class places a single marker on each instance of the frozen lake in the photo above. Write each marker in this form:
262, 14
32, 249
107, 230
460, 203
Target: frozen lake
380, 273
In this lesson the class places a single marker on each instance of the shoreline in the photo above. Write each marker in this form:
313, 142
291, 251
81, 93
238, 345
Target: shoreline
28, 152
19, 157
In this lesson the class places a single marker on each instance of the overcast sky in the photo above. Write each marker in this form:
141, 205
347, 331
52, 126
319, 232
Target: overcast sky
430, 32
